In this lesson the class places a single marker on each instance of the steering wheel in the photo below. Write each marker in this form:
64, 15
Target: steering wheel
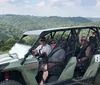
39, 55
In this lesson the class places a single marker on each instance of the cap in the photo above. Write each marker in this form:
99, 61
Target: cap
43, 39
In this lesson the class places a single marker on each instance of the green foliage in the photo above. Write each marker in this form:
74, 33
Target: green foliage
10, 42
6, 45
28, 40
13, 26
5, 48
2, 43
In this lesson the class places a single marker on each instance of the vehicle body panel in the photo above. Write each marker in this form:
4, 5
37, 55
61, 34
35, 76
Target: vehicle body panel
28, 70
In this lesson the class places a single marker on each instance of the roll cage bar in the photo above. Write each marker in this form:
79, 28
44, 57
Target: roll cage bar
72, 31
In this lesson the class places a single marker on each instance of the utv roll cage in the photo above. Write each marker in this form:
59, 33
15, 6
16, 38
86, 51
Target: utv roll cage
44, 32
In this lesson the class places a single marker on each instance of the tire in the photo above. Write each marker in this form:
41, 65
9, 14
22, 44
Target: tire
10, 82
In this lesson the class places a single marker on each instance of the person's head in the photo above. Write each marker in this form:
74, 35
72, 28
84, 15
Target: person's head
94, 33
92, 40
43, 41
53, 43
63, 40
83, 40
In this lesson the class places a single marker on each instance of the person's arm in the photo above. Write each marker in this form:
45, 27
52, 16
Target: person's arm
83, 59
35, 51
88, 51
44, 51
47, 50
61, 55
58, 56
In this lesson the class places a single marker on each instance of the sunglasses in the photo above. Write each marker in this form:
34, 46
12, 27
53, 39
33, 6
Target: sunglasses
53, 43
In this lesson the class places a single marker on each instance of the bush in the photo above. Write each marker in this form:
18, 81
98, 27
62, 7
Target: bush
10, 42
6, 45
5, 48
2, 43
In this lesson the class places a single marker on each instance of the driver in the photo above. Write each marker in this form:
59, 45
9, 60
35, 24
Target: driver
43, 49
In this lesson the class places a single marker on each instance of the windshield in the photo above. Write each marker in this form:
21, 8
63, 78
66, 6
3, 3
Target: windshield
22, 46
28, 39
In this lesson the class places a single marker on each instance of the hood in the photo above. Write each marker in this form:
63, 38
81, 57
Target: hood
19, 50
4, 58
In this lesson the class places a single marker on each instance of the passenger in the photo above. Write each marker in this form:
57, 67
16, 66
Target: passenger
55, 61
82, 57
91, 46
62, 42
44, 49
86, 51
87, 47
95, 35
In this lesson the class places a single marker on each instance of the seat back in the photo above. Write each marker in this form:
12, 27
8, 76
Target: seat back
91, 46
92, 69
68, 71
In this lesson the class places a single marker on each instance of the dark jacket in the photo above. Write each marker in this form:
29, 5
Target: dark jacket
56, 61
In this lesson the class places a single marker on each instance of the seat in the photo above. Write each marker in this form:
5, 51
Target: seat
68, 71
92, 69
92, 45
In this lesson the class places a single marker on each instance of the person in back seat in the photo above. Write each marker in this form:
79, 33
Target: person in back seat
91, 46
82, 49
87, 49
82, 56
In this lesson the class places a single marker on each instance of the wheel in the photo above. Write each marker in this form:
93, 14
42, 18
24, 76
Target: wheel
10, 82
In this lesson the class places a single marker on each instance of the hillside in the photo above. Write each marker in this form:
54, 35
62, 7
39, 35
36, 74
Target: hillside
94, 19
14, 25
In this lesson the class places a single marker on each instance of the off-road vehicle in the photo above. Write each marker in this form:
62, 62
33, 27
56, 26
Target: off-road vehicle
21, 66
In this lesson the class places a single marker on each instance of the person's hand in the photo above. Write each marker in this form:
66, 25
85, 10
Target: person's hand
83, 59
34, 52
43, 50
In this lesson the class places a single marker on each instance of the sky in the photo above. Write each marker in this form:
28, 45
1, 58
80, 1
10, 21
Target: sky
63, 8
